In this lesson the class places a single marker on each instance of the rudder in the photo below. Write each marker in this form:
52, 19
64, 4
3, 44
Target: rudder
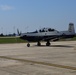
71, 28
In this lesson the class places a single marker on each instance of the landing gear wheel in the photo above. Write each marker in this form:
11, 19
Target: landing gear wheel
48, 43
38, 44
28, 45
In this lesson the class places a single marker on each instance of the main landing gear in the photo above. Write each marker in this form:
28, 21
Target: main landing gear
39, 44
48, 43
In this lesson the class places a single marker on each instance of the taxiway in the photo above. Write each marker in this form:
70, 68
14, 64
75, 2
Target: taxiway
57, 59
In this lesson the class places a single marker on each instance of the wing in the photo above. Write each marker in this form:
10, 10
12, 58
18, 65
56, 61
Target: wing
51, 38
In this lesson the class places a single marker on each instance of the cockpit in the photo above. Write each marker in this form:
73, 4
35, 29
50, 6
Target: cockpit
46, 30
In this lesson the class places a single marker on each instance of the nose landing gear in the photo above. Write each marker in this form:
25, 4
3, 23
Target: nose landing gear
28, 45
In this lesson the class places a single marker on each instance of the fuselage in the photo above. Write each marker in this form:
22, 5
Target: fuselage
45, 34
39, 38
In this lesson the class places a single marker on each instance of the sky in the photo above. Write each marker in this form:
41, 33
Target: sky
30, 15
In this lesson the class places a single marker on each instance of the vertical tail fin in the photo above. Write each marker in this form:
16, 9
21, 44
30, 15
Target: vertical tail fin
71, 28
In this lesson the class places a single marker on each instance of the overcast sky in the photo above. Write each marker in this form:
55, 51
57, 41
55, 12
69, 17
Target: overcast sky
29, 15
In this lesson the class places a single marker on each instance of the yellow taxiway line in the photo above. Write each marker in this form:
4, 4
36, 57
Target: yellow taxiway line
38, 62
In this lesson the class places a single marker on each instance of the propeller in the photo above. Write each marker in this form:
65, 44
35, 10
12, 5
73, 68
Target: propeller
18, 32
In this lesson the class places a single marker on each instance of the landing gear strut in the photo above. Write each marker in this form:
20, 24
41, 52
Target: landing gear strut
48, 43
38, 44
28, 45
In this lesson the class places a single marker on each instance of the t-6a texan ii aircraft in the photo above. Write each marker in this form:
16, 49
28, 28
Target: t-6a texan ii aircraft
48, 34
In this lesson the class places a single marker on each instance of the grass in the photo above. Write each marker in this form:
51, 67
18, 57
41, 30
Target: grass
73, 39
4, 40
68, 39
11, 40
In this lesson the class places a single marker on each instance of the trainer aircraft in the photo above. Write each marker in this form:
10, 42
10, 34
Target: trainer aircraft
47, 34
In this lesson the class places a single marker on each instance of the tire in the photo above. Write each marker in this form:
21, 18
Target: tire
47, 44
38, 44
28, 45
